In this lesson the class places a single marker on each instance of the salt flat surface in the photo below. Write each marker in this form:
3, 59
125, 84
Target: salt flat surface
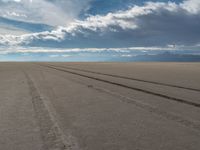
100, 106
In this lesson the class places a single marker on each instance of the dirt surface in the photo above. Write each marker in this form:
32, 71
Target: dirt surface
99, 106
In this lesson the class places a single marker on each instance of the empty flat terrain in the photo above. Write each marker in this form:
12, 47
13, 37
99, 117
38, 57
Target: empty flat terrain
99, 106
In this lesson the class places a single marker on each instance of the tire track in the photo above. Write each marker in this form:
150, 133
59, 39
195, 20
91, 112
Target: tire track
51, 134
146, 107
130, 78
170, 116
129, 87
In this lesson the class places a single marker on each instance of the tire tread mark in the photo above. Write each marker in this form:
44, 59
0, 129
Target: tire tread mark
50, 132
154, 110
129, 87
147, 107
134, 79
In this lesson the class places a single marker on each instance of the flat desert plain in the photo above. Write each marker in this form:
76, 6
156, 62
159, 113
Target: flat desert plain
99, 106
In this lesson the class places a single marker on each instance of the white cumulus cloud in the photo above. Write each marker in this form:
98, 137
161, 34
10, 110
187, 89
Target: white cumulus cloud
155, 23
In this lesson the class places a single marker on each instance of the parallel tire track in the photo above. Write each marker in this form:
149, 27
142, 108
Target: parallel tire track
51, 134
129, 87
151, 109
134, 79
170, 116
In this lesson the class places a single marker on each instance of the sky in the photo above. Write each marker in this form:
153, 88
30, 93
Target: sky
89, 30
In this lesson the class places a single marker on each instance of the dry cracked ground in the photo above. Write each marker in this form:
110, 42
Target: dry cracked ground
99, 106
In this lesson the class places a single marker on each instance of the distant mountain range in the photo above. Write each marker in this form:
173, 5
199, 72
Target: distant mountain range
162, 57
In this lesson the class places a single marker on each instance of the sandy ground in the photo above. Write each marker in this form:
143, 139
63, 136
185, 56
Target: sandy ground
99, 106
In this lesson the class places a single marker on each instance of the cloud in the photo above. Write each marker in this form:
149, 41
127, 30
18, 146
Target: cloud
153, 24
57, 56
6, 50
92, 54
51, 12
192, 6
